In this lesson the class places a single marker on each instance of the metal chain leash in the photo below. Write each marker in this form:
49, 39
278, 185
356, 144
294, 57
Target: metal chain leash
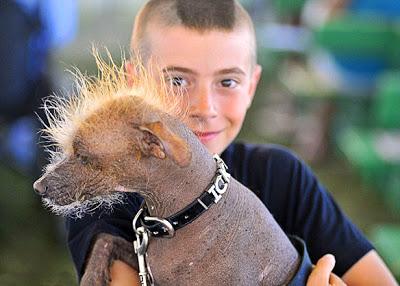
140, 246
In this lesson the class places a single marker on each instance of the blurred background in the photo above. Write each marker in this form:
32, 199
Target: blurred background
330, 91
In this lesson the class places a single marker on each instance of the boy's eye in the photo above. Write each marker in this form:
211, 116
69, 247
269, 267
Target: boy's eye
230, 83
178, 81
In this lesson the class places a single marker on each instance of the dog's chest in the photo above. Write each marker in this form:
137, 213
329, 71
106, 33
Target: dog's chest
199, 261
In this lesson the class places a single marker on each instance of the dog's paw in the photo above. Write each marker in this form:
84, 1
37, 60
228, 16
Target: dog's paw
106, 249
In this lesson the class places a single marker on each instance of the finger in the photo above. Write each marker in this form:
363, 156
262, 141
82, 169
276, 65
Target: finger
334, 280
322, 270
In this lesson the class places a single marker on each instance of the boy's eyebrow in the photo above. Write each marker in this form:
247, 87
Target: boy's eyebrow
169, 69
234, 70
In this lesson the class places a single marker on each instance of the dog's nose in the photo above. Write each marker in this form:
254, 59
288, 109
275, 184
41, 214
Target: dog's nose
39, 187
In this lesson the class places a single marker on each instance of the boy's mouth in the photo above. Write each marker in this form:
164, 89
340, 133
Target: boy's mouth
206, 136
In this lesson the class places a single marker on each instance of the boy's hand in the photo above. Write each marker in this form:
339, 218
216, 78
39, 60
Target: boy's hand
322, 273
123, 275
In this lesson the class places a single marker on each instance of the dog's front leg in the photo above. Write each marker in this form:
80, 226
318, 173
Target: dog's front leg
106, 249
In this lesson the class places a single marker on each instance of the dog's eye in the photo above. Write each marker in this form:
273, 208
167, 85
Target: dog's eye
83, 159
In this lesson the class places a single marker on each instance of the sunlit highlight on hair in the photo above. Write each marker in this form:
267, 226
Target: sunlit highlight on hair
66, 114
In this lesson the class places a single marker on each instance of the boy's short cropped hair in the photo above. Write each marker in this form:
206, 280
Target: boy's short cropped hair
199, 15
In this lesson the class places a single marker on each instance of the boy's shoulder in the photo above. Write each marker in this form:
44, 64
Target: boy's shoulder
272, 172
257, 155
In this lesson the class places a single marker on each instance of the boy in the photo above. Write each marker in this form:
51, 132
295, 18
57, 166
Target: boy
208, 48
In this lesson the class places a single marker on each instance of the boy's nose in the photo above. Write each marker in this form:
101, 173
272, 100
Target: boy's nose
203, 104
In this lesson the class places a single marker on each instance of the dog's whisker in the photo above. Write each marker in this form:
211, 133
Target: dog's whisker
78, 209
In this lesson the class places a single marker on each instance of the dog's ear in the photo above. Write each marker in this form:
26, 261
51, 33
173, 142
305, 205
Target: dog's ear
159, 141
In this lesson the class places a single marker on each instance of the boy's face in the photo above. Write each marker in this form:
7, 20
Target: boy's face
214, 68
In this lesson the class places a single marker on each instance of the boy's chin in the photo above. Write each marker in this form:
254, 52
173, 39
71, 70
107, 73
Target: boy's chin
216, 147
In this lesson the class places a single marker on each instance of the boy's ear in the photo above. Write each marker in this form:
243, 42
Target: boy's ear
160, 142
255, 78
130, 73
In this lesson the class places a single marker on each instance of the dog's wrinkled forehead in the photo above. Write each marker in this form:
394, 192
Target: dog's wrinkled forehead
110, 129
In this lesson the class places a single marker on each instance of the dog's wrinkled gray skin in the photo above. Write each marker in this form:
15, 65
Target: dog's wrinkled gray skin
127, 146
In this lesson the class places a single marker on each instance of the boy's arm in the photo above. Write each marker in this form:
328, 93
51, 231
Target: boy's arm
369, 270
124, 275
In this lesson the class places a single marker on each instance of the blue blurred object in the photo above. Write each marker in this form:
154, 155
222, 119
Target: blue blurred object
20, 144
389, 9
361, 72
58, 19
29, 31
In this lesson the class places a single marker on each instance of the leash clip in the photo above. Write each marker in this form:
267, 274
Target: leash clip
140, 245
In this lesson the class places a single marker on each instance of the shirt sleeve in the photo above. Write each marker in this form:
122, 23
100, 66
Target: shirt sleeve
81, 232
304, 208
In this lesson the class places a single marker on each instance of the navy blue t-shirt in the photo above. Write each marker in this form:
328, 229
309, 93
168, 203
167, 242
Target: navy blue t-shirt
287, 186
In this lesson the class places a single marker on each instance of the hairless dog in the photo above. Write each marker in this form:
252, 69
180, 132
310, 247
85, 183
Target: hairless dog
113, 138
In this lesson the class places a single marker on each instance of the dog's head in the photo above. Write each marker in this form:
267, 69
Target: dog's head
105, 146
